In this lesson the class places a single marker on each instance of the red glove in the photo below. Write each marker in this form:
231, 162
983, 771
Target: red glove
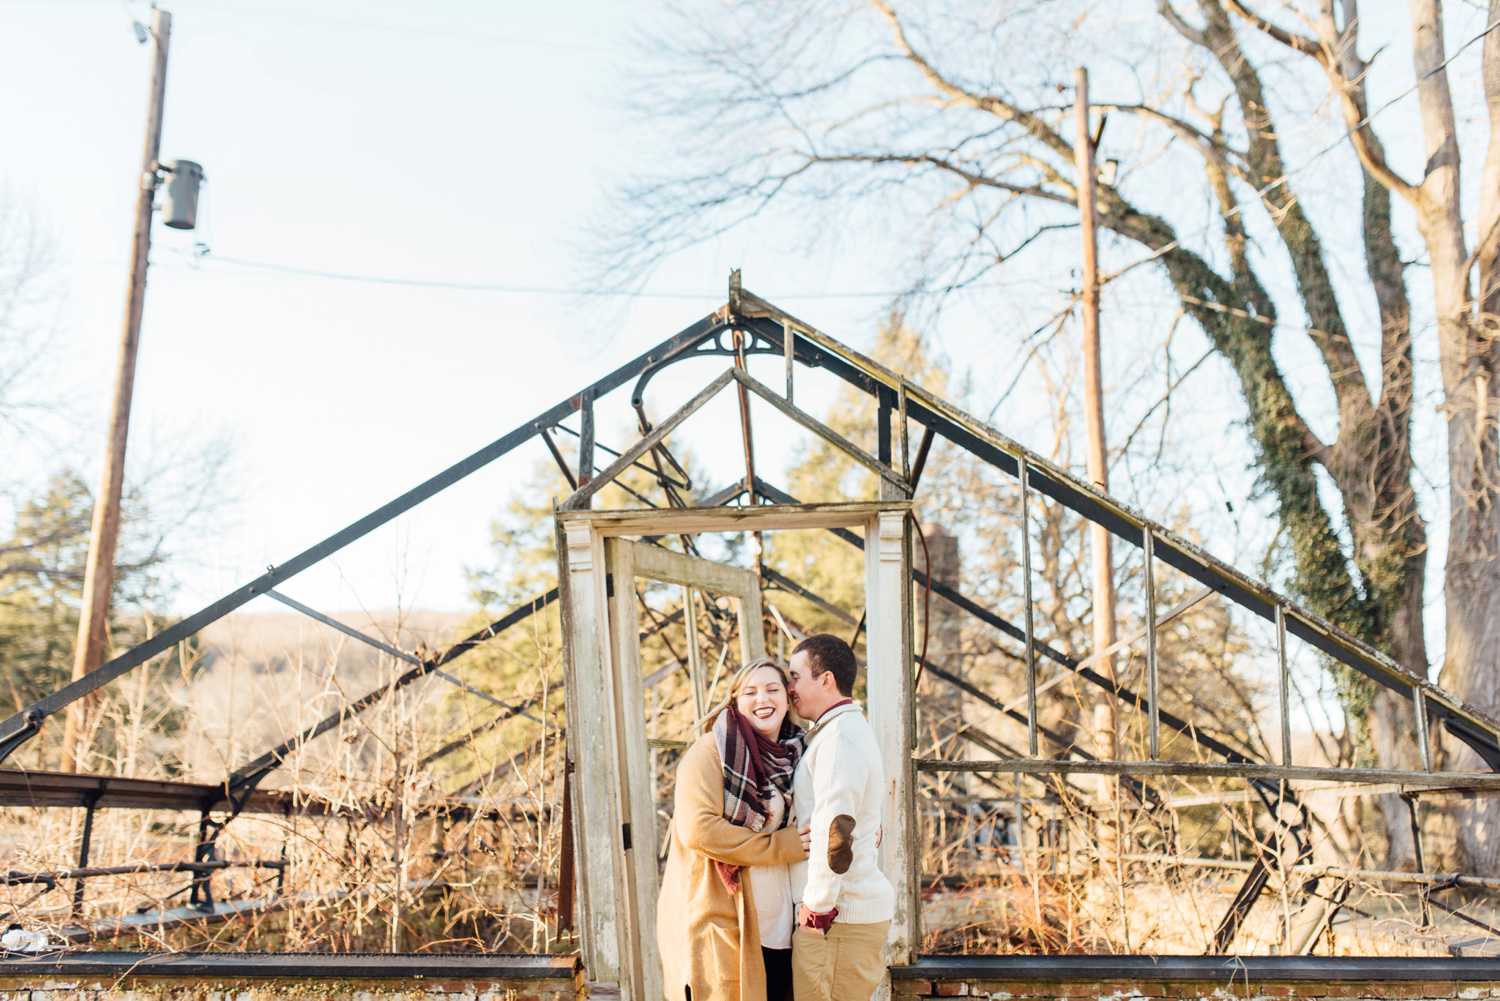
818, 921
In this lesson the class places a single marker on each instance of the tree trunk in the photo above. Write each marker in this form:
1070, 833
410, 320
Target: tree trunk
1471, 662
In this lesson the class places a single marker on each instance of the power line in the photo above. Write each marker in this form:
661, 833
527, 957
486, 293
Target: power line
504, 288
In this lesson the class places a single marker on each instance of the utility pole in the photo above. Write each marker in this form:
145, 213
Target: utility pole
1105, 722
99, 573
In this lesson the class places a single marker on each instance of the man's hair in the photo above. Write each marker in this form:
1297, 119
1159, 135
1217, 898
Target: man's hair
827, 652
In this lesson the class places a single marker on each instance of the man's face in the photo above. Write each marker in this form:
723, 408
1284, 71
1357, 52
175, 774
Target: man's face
808, 694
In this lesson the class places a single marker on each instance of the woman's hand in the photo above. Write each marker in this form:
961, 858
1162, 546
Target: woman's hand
806, 833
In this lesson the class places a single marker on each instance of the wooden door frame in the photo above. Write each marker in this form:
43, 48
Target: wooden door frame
617, 868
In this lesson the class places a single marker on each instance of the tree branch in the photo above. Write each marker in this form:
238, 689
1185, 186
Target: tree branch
988, 103
1297, 43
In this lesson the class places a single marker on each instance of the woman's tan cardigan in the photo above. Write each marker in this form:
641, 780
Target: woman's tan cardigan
708, 937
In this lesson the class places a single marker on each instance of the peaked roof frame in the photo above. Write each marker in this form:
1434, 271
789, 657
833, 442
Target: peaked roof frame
757, 327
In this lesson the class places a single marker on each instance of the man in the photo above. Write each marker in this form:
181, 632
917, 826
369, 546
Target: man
846, 903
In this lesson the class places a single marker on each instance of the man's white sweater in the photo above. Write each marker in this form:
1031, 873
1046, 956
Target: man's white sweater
839, 788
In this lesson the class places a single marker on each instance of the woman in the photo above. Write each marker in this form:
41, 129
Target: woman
724, 917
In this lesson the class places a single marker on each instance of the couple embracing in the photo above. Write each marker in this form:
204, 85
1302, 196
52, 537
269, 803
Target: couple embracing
772, 888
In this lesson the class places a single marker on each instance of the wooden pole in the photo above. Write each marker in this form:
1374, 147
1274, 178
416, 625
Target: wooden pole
98, 580
1106, 724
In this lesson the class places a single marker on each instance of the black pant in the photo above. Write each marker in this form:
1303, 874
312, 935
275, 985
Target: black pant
778, 974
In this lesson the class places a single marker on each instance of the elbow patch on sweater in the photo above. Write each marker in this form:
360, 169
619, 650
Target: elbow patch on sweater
841, 843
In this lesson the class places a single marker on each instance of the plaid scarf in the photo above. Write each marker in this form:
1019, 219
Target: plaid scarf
755, 769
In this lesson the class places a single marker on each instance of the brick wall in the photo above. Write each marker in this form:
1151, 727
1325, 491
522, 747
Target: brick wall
1185, 990
147, 977
1128, 978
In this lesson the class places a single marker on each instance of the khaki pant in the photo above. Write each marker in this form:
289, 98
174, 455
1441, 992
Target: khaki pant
845, 963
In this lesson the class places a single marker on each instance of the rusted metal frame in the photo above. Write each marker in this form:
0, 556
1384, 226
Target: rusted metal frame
501, 771
1419, 712
349, 631
1438, 882
806, 420
1153, 713
385, 648
242, 782
1341, 791
1423, 895
84, 845
1272, 796
883, 408
557, 457
780, 580
1251, 771
458, 743
620, 483
599, 446
1333, 903
184, 972
764, 340
14, 878
1244, 899
581, 497
1455, 911
924, 447
1356, 971
905, 437
747, 435
1465, 722
74, 790
1028, 625
205, 852
990, 618
789, 350
21, 726
1142, 791
512, 712
1178, 610
586, 439
255, 770
989, 742
1283, 687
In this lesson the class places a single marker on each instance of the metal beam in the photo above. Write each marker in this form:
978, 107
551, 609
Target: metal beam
1210, 769
581, 497
349, 631
817, 427
359, 966
14, 878
1224, 970
1464, 721
254, 770
977, 610
21, 726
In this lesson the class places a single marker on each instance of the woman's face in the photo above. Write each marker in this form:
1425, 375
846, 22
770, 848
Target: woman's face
762, 700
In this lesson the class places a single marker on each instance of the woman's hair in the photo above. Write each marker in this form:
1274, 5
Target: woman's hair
740, 676
738, 681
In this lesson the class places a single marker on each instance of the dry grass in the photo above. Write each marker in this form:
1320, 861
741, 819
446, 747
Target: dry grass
1088, 869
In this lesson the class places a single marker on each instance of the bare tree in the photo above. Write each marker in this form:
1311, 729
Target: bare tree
950, 121
29, 296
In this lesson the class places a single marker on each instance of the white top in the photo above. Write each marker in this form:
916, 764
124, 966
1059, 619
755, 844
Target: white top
771, 887
839, 789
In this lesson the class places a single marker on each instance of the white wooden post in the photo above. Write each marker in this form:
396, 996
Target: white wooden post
752, 624
890, 708
638, 920
594, 748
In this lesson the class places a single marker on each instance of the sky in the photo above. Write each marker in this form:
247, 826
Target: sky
453, 143
461, 142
